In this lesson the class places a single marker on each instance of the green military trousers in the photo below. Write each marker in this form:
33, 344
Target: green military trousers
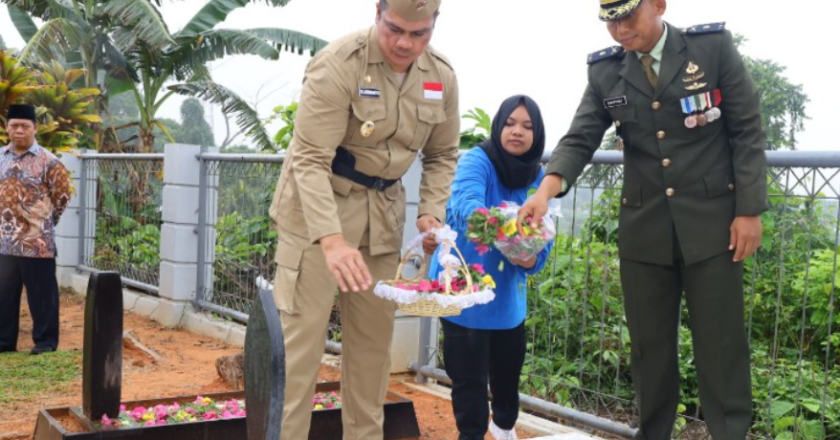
714, 296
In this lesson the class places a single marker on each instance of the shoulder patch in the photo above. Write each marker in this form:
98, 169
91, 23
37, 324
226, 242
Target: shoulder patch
700, 29
605, 54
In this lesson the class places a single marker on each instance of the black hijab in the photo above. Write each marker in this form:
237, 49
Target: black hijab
516, 171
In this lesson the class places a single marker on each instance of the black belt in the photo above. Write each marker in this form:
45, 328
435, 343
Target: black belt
344, 165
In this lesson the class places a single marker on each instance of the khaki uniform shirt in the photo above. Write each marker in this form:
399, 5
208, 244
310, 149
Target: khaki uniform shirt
338, 97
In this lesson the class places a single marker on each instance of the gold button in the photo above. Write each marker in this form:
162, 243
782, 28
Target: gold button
617, 124
670, 192
666, 162
624, 201
731, 186
660, 135
656, 105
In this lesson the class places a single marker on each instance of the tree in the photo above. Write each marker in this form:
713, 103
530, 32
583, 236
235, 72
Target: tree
194, 128
130, 44
782, 102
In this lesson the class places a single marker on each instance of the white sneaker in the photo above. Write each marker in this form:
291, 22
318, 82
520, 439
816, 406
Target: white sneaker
502, 434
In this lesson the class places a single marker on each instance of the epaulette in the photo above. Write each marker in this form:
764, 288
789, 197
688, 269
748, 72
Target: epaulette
351, 46
601, 55
440, 57
701, 29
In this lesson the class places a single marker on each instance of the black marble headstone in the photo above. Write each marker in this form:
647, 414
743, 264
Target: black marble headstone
102, 366
265, 369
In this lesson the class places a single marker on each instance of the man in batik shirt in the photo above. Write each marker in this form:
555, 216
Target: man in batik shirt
34, 191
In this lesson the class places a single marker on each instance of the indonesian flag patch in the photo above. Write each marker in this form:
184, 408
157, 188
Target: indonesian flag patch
432, 90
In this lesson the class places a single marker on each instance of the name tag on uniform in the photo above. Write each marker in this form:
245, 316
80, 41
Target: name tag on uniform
618, 101
369, 92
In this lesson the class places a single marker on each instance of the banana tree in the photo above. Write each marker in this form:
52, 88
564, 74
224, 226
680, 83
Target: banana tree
181, 67
83, 35
140, 55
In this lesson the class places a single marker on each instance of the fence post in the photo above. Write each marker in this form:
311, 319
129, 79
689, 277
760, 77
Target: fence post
179, 232
70, 231
407, 328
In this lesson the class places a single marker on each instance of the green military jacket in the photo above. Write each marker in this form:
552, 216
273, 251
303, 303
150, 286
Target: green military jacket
678, 182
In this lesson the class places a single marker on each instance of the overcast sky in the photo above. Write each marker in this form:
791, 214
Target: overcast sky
536, 47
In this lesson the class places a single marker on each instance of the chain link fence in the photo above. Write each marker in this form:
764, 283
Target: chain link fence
121, 216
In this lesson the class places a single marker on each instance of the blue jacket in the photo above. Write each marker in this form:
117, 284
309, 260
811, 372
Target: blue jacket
477, 185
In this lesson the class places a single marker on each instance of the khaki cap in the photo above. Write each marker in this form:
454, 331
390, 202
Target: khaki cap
415, 10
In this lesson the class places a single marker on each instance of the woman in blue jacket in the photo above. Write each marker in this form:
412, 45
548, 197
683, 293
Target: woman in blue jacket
488, 341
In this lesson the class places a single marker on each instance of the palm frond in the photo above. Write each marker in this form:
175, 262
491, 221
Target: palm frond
213, 13
44, 9
23, 22
290, 40
58, 33
117, 64
144, 20
246, 117
215, 44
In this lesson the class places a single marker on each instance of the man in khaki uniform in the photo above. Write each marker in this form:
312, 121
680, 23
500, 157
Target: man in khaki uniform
371, 101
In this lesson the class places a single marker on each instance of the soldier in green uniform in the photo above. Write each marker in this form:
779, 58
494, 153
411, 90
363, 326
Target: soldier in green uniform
686, 113
371, 102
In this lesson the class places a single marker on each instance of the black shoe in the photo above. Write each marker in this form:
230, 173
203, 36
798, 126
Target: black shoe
39, 350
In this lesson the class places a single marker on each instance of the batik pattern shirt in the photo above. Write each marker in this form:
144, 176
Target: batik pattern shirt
34, 192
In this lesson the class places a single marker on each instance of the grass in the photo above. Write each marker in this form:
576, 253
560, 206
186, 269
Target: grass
23, 376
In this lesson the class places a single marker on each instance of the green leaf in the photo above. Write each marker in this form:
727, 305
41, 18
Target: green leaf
291, 40
24, 24
57, 33
215, 44
144, 20
215, 12
779, 408
813, 405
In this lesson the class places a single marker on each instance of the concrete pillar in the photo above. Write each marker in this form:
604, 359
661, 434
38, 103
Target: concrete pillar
179, 232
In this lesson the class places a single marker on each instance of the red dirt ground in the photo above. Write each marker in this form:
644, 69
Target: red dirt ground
187, 368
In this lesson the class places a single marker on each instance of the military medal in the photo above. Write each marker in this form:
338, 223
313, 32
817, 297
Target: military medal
692, 68
689, 107
367, 128
695, 86
694, 75
702, 109
694, 78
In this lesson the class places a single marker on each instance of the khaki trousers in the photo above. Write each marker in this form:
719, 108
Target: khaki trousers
305, 291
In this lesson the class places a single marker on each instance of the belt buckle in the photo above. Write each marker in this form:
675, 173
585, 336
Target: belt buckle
379, 184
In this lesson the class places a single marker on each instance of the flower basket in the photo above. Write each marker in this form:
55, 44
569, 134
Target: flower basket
458, 286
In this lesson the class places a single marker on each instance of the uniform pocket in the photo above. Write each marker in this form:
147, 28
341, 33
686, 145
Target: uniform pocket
631, 195
427, 117
396, 206
285, 280
368, 110
718, 183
